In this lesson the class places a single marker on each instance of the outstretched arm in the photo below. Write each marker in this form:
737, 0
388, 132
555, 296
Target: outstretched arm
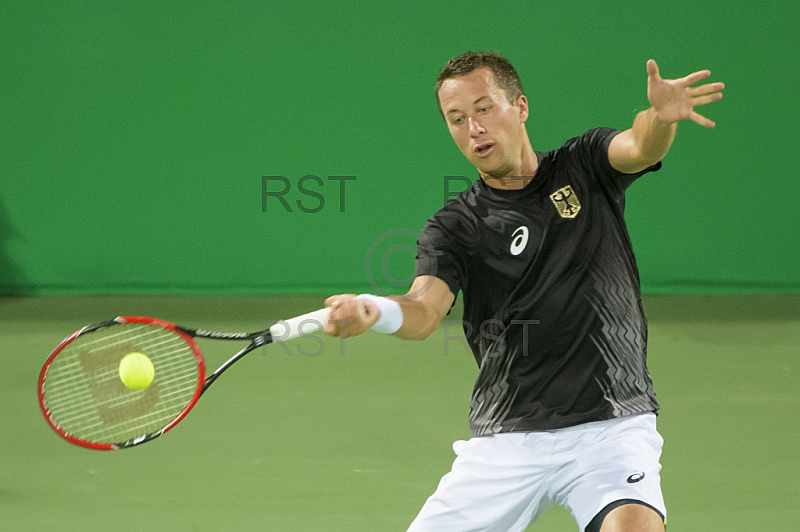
653, 131
428, 301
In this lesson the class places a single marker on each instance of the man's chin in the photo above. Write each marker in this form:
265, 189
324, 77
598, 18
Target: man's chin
493, 172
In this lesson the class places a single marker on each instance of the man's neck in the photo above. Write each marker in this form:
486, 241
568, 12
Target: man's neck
520, 177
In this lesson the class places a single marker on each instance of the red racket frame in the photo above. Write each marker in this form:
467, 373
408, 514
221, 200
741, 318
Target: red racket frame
122, 319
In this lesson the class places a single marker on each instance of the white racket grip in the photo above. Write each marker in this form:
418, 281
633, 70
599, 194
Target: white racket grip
309, 323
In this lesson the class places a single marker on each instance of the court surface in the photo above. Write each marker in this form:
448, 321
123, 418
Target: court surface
354, 437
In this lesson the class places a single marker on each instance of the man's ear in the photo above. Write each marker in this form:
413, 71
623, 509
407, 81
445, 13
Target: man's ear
522, 105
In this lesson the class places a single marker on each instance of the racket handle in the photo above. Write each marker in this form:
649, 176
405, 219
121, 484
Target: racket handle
301, 325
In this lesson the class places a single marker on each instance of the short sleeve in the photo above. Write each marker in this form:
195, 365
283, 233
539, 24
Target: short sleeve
440, 255
593, 146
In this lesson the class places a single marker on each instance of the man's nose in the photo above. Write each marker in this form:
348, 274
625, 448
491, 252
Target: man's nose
475, 129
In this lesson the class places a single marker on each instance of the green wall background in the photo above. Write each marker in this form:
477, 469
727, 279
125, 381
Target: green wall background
135, 136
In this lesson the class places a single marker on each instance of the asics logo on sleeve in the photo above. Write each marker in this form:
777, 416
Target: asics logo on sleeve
520, 237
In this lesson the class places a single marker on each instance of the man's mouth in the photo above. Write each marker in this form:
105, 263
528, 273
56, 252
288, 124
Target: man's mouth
483, 150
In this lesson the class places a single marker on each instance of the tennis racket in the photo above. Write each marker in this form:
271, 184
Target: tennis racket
85, 402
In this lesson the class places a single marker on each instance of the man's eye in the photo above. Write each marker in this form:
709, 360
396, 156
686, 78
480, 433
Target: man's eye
483, 110
459, 120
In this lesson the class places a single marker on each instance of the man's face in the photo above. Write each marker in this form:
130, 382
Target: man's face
488, 130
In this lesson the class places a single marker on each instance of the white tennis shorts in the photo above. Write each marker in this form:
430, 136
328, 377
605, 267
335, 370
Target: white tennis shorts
505, 481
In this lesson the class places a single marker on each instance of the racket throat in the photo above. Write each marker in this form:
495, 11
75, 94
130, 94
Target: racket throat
263, 339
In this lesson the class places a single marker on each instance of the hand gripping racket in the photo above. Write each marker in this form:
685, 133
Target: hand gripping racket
86, 402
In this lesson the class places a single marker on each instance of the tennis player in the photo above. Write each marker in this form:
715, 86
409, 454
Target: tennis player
563, 410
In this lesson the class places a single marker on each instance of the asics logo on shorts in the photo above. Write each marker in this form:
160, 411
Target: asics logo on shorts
635, 477
520, 237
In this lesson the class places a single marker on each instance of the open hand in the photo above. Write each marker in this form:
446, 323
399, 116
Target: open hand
675, 99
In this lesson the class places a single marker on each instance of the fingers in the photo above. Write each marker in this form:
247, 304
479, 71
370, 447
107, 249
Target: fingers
335, 301
335, 323
703, 121
349, 316
706, 94
708, 88
677, 98
708, 98
652, 69
693, 78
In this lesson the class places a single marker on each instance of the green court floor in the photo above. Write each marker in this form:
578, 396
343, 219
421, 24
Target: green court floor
354, 437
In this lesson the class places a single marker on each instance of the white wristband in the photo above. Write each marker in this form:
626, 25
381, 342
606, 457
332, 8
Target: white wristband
391, 317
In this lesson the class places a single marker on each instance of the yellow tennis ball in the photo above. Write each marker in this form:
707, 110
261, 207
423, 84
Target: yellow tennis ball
136, 371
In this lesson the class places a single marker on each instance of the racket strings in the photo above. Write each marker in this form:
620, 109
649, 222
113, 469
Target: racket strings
86, 398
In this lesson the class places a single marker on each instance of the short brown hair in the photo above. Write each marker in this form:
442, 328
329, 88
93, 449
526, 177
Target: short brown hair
504, 73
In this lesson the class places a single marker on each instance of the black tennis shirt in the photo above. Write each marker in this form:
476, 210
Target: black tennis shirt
552, 302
